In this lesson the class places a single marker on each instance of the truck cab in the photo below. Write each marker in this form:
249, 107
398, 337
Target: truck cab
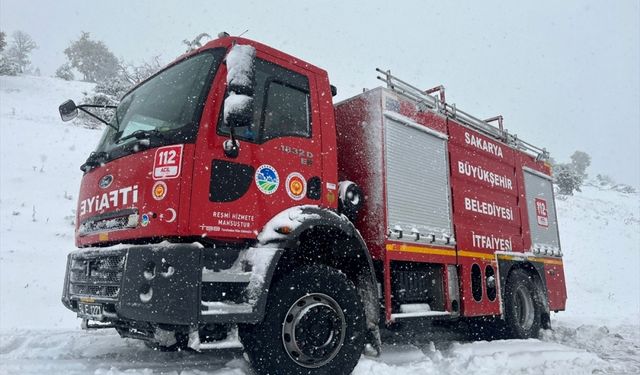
164, 173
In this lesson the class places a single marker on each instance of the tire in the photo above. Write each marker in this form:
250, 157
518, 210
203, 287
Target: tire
523, 310
314, 324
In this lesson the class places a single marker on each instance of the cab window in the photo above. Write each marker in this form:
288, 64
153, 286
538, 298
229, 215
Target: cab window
281, 105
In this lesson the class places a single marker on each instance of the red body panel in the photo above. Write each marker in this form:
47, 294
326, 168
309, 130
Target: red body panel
136, 172
481, 205
470, 306
556, 288
360, 161
485, 209
428, 119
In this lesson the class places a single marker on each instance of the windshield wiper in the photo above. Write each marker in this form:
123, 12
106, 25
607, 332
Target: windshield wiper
94, 160
142, 134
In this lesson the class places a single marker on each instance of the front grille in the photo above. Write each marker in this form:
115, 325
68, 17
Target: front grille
95, 290
109, 221
103, 225
97, 276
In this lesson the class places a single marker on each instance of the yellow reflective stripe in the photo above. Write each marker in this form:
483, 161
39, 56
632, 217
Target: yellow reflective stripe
420, 250
468, 254
473, 254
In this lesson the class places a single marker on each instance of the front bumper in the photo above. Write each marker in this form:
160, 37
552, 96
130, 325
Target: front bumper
171, 284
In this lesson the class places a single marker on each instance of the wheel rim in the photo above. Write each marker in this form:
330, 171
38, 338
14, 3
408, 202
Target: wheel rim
313, 330
524, 308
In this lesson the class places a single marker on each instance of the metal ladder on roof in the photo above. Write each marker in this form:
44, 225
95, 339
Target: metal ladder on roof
426, 100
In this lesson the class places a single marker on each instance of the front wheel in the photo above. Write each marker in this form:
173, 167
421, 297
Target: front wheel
523, 311
314, 324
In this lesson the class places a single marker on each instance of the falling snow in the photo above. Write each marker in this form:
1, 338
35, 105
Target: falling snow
600, 233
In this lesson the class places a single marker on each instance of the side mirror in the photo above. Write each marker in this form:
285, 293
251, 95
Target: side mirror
238, 106
241, 69
68, 110
238, 110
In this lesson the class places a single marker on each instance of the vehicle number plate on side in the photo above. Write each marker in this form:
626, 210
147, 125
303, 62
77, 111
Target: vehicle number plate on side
90, 310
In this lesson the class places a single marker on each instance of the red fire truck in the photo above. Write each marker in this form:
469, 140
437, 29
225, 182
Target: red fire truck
229, 196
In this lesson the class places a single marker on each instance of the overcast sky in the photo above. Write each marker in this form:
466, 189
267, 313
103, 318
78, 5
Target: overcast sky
564, 74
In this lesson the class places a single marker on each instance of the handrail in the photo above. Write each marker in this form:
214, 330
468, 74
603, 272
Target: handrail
425, 99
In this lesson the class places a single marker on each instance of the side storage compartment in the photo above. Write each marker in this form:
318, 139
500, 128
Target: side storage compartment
417, 182
541, 208
421, 277
418, 283
543, 229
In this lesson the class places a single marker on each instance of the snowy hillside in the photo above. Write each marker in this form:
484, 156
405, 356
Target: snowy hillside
39, 179
600, 235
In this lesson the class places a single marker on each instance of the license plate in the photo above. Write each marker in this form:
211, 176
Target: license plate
90, 310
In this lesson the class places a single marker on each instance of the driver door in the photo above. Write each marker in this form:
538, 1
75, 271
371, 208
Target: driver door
278, 165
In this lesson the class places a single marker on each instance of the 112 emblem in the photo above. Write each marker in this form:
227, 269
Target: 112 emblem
167, 162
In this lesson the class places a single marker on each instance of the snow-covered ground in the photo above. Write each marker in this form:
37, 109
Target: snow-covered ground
39, 178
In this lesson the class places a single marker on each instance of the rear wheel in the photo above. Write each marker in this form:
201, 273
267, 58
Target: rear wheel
523, 311
314, 324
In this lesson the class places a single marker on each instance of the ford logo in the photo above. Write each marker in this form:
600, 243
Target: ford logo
106, 181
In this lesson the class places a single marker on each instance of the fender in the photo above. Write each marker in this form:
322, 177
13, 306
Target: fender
536, 270
289, 230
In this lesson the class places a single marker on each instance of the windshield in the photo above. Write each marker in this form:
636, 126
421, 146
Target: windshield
165, 109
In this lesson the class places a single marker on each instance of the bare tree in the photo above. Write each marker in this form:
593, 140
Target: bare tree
567, 179
20, 49
3, 41
7, 66
92, 58
135, 74
581, 160
65, 72
571, 176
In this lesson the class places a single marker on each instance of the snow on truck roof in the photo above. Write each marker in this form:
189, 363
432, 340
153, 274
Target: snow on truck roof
227, 41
